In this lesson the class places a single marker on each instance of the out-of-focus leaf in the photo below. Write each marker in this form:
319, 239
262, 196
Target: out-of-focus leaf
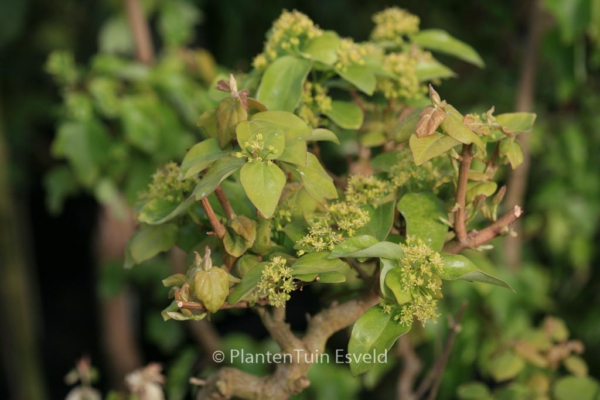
176, 22
360, 76
315, 263
422, 212
345, 114
505, 366
407, 126
321, 134
517, 122
281, 84
324, 48
439, 40
430, 70
151, 240
512, 150
475, 189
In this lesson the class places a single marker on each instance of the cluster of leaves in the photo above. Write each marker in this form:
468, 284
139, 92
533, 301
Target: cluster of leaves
120, 119
268, 201
540, 363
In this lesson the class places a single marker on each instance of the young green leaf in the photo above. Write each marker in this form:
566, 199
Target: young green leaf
218, 171
315, 179
512, 150
381, 219
439, 40
366, 246
345, 114
229, 114
516, 123
324, 277
422, 212
324, 48
281, 84
576, 387
360, 76
475, 189
424, 149
200, 156
315, 263
459, 267
372, 336
386, 267
212, 287
249, 282
263, 183
160, 210
393, 280
430, 70
320, 135
431, 118
453, 125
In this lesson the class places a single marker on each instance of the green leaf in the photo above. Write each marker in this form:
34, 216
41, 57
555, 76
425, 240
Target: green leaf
381, 219
316, 263
316, 180
512, 150
517, 122
160, 210
360, 76
245, 263
473, 391
324, 48
439, 40
430, 70
175, 280
212, 287
424, 149
320, 134
200, 156
505, 366
454, 127
151, 240
281, 84
345, 114
372, 139
474, 189
273, 138
366, 246
576, 387
229, 114
459, 267
218, 171
263, 183
373, 335
393, 280
208, 121
262, 244
324, 277
235, 245
176, 22
294, 129
422, 212
407, 126
85, 145
386, 267
248, 284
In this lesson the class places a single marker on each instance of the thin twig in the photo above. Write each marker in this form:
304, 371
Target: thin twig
461, 192
222, 197
191, 305
440, 365
140, 31
212, 218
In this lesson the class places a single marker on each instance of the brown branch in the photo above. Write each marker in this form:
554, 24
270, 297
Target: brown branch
192, 305
441, 363
222, 197
477, 238
280, 331
460, 226
140, 32
412, 367
517, 182
289, 378
212, 218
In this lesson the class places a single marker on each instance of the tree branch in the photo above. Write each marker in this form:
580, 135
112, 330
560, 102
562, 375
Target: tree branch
212, 218
279, 330
222, 197
412, 367
441, 363
461, 192
475, 238
140, 31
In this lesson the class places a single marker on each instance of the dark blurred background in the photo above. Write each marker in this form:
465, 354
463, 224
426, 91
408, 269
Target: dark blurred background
562, 195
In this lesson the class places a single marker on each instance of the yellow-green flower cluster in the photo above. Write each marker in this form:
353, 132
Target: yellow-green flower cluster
429, 175
420, 267
351, 53
289, 32
405, 85
254, 149
364, 190
167, 185
276, 283
315, 101
393, 25
282, 216
341, 220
